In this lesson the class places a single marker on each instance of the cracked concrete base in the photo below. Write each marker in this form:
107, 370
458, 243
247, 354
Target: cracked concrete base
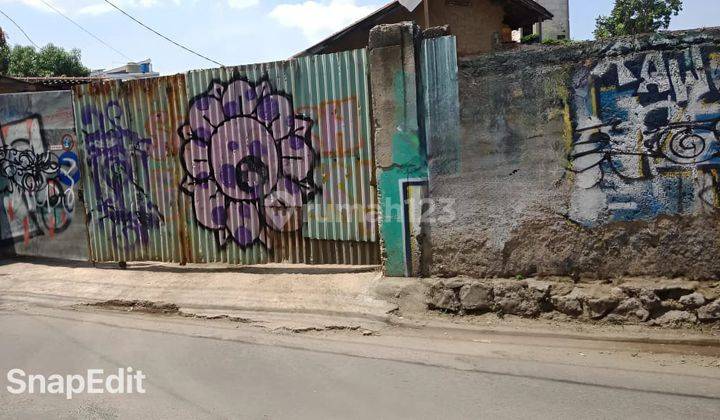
326, 290
275, 322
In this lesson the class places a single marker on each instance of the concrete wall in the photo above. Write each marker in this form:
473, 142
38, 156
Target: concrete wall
40, 209
559, 26
593, 160
400, 158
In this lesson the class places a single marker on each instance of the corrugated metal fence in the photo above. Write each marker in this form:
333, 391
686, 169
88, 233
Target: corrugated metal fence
440, 108
253, 164
128, 139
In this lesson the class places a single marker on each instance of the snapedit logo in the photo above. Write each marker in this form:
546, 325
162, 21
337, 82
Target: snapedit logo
95, 381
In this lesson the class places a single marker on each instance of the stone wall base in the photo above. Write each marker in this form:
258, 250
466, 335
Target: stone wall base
675, 302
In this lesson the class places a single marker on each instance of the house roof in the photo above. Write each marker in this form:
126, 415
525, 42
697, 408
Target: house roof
59, 80
518, 13
36, 84
525, 12
368, 22
12, 85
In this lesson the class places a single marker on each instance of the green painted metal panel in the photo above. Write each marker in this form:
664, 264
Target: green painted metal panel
127, 135
440, 104
334, 91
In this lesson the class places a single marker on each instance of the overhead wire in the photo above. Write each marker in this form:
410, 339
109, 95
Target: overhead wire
20, 28
97, 38
161, 35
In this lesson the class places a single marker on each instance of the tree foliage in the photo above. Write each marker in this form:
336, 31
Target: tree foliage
4, 53
50, 60
632, 17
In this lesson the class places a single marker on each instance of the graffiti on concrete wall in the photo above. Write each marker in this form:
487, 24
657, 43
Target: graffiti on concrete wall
249, 162
646, 136
37, 185
118, 163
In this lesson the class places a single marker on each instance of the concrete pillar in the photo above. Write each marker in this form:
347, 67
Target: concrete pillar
400, 152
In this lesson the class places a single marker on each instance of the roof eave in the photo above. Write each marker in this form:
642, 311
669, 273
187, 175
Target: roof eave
542, 11
375, 15
533, 6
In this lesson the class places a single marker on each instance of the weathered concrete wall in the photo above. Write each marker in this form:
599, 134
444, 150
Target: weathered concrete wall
592, 160
400, 157
40, 209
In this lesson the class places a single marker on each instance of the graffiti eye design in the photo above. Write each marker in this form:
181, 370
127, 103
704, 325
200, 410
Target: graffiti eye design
687, 146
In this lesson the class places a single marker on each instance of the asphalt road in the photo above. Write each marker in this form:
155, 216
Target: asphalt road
209, 369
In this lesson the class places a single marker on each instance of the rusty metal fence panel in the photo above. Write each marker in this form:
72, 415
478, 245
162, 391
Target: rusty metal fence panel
245, 165
282, 162
130, 151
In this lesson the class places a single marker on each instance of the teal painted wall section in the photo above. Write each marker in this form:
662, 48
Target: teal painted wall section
409, 166
417, 106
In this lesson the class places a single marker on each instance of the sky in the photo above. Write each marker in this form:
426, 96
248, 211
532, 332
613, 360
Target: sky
231, 32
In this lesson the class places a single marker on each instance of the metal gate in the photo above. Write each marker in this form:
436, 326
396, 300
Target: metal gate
245, 165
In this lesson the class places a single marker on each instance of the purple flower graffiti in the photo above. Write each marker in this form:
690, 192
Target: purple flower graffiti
248, 160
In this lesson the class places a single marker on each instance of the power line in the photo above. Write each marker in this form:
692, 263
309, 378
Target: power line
161, 35
19, 27
85, 30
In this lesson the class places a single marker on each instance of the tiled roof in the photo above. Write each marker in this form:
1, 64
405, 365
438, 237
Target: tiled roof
59, 80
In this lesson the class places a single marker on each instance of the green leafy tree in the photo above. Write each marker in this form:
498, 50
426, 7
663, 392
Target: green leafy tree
22, 61
49, 61
632, 17
4, 53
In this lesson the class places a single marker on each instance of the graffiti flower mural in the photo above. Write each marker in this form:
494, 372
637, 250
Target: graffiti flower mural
248, 160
